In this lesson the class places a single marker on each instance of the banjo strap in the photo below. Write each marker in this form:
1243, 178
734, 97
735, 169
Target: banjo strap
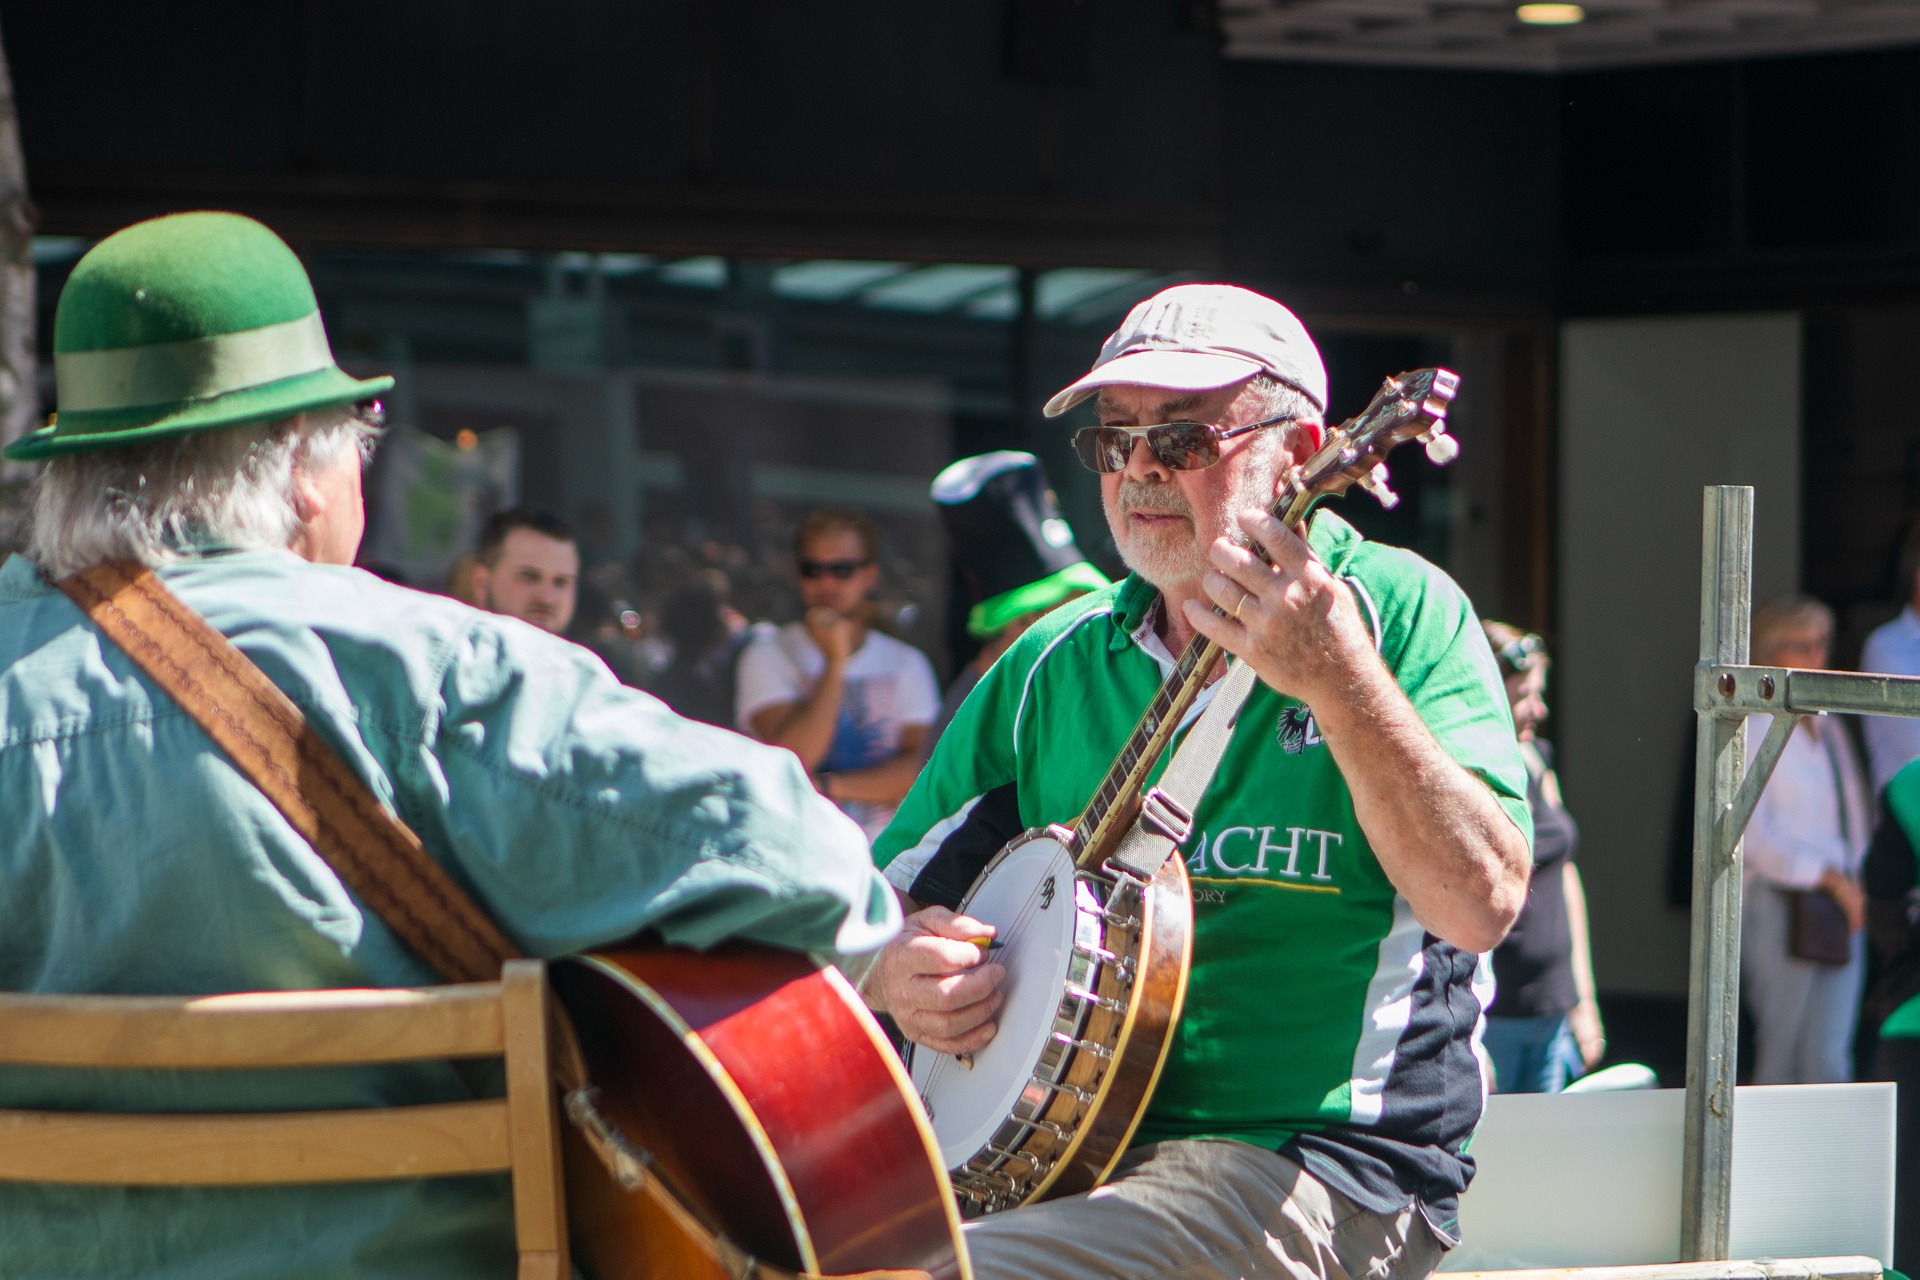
1166, 809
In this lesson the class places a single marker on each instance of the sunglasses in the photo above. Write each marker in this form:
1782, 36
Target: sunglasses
1179, 446
1522, 655
839, 570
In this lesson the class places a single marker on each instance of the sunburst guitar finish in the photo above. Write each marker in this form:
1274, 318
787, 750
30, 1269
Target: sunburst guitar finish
764, 1092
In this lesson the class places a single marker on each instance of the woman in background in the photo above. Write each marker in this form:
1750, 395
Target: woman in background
1801, 952
1543, 1028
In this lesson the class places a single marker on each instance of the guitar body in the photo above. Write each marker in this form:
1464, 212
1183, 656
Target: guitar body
766, 1093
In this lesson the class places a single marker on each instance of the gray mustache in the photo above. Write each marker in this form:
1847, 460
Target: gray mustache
1136, 495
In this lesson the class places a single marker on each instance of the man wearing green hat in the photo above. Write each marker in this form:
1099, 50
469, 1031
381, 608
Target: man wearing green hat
205, 431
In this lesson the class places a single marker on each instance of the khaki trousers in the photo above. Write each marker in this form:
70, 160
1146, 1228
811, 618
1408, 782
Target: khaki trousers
1203, 1210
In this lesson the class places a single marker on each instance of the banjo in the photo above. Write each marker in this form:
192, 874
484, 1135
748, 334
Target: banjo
1097, 952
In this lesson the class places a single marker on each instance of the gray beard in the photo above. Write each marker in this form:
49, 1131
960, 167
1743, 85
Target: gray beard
1169, 564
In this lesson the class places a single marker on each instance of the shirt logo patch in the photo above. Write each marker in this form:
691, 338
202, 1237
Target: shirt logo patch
1298, 731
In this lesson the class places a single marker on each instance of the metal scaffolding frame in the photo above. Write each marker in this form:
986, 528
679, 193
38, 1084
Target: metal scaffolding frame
1726, 690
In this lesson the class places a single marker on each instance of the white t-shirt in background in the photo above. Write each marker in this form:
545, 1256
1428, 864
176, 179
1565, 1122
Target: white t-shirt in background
888, 685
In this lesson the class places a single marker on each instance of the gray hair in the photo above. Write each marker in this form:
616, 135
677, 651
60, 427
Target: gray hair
155, 502
1780, 620
1279, 398
1276, 399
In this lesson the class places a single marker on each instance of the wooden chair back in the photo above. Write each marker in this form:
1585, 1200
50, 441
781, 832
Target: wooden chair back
518, 1134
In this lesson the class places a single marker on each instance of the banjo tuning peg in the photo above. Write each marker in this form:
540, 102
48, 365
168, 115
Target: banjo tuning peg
1442, 448
1375, 483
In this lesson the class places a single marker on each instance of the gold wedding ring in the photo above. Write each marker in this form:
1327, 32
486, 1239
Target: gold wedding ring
1244, 597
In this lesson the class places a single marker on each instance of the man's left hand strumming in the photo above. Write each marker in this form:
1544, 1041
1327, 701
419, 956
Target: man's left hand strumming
1439, 834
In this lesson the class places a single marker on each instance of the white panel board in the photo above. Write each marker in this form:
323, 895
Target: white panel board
1652, 410
1580, 1180
1813, 1171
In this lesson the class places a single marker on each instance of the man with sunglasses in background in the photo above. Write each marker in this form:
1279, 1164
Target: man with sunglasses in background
1363, 843
853, 703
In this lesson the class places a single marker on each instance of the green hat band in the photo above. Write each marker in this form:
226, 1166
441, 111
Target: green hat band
194, 369
991, 614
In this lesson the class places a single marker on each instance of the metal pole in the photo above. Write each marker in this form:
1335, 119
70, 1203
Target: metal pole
1726, 607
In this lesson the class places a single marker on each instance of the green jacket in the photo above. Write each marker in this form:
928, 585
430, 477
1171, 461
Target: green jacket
134, 858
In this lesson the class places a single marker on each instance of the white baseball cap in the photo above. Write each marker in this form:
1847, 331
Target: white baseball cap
1201, 337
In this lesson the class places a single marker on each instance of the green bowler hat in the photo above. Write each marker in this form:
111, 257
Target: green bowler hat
187, 323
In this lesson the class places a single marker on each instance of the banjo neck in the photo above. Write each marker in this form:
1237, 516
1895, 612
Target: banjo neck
1410, 406
1116, 803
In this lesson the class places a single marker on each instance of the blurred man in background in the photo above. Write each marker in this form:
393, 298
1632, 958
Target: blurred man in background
852, 703
527, 566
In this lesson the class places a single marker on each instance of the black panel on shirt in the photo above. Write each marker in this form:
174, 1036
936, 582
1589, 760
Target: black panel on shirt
964, 854
1893, 919
1889, 869
1430, 1106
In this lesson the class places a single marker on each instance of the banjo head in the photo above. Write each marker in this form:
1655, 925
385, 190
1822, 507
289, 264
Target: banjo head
1028, 894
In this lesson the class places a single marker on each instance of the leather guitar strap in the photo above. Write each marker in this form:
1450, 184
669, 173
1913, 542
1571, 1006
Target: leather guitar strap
1166, 810
374, 853
260, 729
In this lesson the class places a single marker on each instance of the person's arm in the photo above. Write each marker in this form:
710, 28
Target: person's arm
1439, 834
806, 725
582, 812
883, 783
1588, 1031
940, 989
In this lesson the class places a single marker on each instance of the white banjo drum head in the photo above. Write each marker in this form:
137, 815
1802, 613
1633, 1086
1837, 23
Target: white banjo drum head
1027, 894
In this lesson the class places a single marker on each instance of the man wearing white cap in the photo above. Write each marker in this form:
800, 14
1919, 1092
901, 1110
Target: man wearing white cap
1365, 839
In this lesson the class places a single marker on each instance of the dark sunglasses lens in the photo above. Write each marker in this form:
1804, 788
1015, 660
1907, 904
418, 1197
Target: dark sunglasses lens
1102, 449
840, 570
1184, 446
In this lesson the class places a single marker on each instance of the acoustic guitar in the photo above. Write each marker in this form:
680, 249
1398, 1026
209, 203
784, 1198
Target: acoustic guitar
750, 1091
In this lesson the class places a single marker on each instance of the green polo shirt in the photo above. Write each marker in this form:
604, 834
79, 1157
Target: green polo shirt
1321, 1018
